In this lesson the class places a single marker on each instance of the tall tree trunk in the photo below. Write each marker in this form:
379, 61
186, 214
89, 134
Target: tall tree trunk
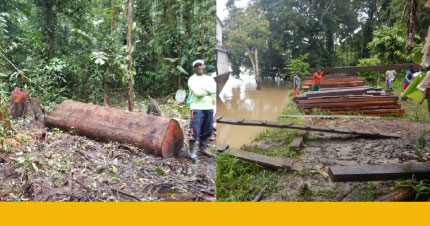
130, 60
412, 26
257, 71
50, 27
254, 67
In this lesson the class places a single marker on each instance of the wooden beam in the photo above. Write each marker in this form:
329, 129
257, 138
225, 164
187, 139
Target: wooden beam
421, 170
347, 104
325, 81
380, 112
354, 108
329, 116
271, 162
338, 92
347, 99
335, 76
383, 68
302, 127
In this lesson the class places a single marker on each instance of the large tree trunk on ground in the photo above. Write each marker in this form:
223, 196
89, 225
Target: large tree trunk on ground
130, 59
155, 135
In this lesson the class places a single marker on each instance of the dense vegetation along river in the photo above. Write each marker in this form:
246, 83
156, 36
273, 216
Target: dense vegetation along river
240, 99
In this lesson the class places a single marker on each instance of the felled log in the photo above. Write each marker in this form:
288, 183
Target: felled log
155, 135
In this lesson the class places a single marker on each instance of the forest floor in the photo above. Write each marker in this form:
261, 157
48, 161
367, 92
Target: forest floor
319, 152
52, 165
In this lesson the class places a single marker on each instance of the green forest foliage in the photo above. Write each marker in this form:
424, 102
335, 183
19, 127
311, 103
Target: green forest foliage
77, 48
332, 32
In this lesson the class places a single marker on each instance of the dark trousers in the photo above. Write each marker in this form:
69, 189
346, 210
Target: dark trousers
201, 124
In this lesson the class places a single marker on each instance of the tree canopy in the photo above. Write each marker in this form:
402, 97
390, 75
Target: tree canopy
335, 32
78, 48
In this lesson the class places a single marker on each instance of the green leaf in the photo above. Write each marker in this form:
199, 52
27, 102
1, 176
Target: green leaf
181, 69
417, 57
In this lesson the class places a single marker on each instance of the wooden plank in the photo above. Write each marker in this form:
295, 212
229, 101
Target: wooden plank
271, 162
332, 76
354, 108
347, 99
298, 140
347, 104
326, 81
329, 116
338, 92
337, 85
379, 112
383, 68
232, 121
421, 170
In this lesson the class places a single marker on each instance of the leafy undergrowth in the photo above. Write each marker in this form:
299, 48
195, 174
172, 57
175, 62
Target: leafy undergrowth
52, 165
238, 180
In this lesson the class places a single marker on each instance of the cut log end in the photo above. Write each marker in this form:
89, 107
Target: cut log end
173, 140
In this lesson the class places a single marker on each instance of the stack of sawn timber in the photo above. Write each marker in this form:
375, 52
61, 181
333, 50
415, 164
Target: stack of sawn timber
334, 81
362, 100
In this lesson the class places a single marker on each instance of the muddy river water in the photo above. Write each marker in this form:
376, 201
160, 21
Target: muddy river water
240, 99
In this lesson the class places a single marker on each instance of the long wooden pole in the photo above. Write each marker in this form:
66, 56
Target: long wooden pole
245, 122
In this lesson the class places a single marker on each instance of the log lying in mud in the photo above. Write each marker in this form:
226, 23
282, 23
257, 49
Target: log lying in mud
245, 122
155, 135
421, 170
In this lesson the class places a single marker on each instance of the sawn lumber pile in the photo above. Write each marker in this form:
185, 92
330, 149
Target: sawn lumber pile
362, 100
334, 81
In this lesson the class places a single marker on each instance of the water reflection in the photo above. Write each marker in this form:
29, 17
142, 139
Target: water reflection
239, 99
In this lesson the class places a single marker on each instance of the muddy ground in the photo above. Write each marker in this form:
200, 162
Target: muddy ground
51, 165
322, 150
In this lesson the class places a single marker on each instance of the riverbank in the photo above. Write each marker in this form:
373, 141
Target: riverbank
238, 180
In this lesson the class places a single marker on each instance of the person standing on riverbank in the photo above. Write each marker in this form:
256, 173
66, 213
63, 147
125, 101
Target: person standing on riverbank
316, 80
202, 90
390, 75
296, 84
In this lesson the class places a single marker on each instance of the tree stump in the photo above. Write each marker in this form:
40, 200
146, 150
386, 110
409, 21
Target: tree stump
21, 105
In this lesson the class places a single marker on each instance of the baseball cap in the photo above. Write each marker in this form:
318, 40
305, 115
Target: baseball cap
198, 62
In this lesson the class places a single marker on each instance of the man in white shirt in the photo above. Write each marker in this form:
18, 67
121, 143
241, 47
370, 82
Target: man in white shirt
202, 93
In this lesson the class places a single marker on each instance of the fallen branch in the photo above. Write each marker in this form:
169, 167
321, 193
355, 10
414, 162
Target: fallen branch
126, 194
260, 194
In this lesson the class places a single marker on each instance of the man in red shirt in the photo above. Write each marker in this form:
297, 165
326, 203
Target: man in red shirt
316, 80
